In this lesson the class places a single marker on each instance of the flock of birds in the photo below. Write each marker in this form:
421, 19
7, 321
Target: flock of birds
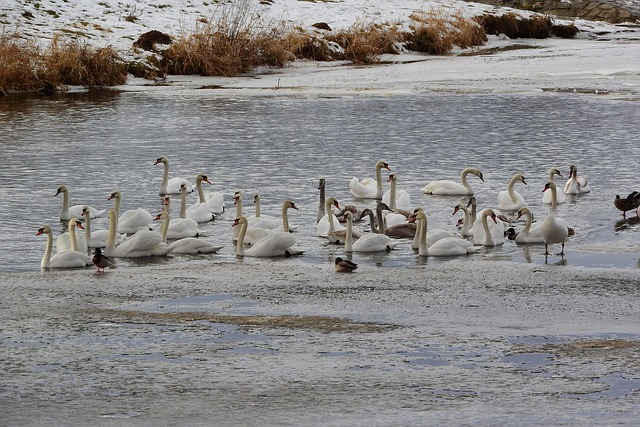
133, 233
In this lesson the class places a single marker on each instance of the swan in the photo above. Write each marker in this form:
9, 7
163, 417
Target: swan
329, 223
531, 233
631, 202
466, 221
368, 188
546, 196
448, 246
69, 241
68, 259
170, 186
237, 202
262, 221
450, 188
485, 235
344, 265
371, 242
553, 229
576, 184
510, 199
395, 198
321, 207
199, 211
102, 261
335, 235
276, 244
254, 234
433, 235
132, 220
187, 245
144, 243
74, 211
181, 227
215, 200
404, 230
96, 239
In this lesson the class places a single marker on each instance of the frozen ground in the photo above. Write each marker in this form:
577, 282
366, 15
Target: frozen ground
260, 342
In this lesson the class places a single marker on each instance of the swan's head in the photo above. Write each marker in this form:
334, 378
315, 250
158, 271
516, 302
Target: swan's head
348, 215
456, 209
115, 195
162, 159
384, 207
478, 173
418, 215
203, 178
85, 211
549, 185
239, 221
76, 222
392, 177
460, 223
472, 201
289, 204
44, 230
521, 212
321, 184
62, 189
489, 213
161, 216
554, 171
256, 198
521, 178
166, 200
237, 197
381, 164
332, 201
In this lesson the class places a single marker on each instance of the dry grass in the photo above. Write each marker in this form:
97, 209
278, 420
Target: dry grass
363, 43
437, 33
19, 64
537, 26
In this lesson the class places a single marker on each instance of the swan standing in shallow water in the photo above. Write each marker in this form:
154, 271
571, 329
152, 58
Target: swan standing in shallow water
546, 196
553, 229
450, 188
170, 186
531, 233
448, 246
576, 184
510, 199
395, 198
68, 259
276, 244
74, 211
368, 242
132, 220
69, 241
485, 235
368, 188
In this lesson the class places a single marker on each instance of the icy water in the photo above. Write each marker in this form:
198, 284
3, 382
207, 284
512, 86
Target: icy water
99, 142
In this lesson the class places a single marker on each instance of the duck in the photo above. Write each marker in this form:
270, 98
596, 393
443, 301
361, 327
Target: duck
368, 188
531, 233
186, 245
510, 199
96, 238
143, 243
214, 200
131, 220
74, 211
66, 259
553, 229
629, 203
371, 242
276, 244
576, 184
102, 261
395, 198
448, 246
451, 188
483, 234
200, 211
170, 186
329, 223
344, 265
69, 241
546, 196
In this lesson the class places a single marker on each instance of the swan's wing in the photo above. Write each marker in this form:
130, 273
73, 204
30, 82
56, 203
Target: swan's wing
141, 242
451, 246
174, 184
374, 243
322, 228
444, 187
70, 259
274, 245
215, 202
199, 212
365, 188
193, 245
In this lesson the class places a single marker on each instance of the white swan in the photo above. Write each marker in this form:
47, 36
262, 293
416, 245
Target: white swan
546, 196
170, 186
371, 242
395, 198
199, 211
276, 244
143, 243
262, 221
485, 235
368, 188
553, 229
69, 241
74, 211
181, 227
253, 234
321, 207
187, 245
450, 188
448, 246
510, 199
96, 238
214, 200
68, 259
465, 231
329, 223
531, 233
576, 184
132, 220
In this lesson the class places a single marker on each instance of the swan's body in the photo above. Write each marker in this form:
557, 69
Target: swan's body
262, 221
143, 243
187, 245
448, 246
329, 223
344, 265
395, 198
546, 196
215, 200
465, 231
531, 233
369, 188
181, 227
485, 235
132, 220
576, 184
401, 231
367, 243
451, 188
254, 234
69, 241
553, 229
74, 211
68, 259
170, 186
102, 261
199, 211
96, 238
510, 199
276, 244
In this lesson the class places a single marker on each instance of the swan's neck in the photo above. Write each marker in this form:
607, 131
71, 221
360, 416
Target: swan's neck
422, 244
257, 203
87, 228
474, 212
321, 208
348, 240
240, 242
527, 226
165, 178
380, 220
116, 207
372, 223
466, 222
415, 244
111, 237
392, 194
488, 238
330, 217
236, 230
378, 183
554, 197
164, 228
510, 188
65, 205
73, 242
201, 197
285, 219
552, 175
183, 203
463, 179
46, 257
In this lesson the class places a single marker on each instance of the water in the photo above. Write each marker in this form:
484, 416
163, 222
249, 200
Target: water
98, 142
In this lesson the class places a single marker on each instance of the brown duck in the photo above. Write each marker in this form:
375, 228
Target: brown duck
345, 266
631, 202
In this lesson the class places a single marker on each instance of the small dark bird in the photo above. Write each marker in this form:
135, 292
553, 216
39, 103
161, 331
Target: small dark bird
510, 233
631, 202
345, 266
102, 261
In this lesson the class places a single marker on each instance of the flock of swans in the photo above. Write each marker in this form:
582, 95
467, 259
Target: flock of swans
138, 233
